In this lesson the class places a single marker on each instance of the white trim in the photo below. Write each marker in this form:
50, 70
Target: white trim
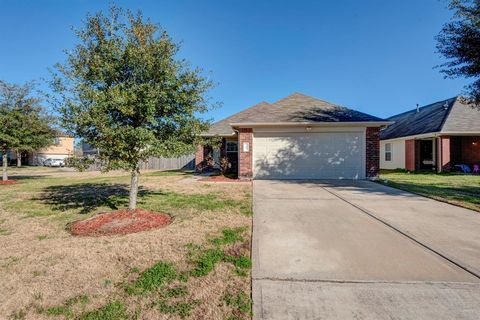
436, 134
418, 136
460, 133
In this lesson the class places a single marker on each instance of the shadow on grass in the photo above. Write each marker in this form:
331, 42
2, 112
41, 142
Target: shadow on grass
89, 196
25, 177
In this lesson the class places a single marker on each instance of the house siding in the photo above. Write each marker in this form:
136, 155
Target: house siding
398, 154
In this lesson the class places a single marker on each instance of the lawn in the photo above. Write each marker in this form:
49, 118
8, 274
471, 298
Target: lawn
198, 267
458, 189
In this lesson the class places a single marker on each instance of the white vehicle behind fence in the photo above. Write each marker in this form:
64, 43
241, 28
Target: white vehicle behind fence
54, 162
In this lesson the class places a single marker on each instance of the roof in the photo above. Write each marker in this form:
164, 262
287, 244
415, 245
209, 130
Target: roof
450, 115
295, 108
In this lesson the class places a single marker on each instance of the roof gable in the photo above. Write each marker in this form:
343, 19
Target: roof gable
463, 117
294, 108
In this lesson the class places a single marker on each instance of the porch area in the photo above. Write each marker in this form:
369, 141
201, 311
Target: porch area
443, 153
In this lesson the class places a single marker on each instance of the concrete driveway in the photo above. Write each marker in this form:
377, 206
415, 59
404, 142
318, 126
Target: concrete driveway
359, 250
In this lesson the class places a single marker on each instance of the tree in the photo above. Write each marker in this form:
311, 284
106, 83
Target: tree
459, 42
23, 123
123, 91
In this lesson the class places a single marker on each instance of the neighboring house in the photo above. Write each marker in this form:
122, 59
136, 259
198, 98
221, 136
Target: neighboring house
297, 137
62, 148
434, 137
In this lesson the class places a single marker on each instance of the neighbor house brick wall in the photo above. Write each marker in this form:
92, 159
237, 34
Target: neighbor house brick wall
444, 151
372, 161
245, 136
470, 150
410, 154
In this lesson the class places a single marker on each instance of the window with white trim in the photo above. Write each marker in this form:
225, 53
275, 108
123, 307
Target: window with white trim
232, 146
388, 152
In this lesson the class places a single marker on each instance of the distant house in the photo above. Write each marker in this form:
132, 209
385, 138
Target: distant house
62, 148
436, 137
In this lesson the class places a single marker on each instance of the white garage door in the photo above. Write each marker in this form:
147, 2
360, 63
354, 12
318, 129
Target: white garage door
316, 155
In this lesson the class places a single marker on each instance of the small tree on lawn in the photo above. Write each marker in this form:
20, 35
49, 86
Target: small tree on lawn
23, 123
124, 92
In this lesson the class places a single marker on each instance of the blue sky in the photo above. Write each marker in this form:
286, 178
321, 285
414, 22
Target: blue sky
374, 56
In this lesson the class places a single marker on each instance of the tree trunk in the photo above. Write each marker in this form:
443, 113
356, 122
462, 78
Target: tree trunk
4, 159
132, 200
19, 159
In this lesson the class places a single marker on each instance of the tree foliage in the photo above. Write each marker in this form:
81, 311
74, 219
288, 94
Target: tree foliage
24, 126
459, 42
123, 90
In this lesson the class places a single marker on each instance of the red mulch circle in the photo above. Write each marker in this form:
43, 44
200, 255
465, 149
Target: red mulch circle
8, 182
119, 222
220, 179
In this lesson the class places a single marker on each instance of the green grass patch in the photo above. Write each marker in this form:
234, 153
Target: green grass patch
229, 236
181, 308
239, 302
160, 274
205, 261
458, 189
113, 311
168, 173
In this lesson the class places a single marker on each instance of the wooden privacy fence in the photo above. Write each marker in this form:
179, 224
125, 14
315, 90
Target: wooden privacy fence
184, 162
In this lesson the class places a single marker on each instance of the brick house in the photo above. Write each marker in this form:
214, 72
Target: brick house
297, 137
435, 137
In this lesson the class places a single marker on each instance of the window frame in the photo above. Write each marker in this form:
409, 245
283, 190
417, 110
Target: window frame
388, 153
227, 148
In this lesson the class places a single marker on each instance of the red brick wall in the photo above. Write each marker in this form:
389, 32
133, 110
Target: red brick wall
372, 161
199, 157
445, 153
245, 135
470, 153
410, 155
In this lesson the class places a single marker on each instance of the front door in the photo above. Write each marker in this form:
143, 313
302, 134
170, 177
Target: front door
426, 154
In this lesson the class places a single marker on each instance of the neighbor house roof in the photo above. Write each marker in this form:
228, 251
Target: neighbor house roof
446, 116
295, 108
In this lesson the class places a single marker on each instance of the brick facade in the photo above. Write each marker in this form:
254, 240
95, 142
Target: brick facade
444, 153
201, 155
470, 151
245, 136
199, 158
410, 154
372, 161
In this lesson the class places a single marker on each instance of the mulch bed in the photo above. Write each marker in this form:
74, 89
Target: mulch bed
119, 222
220, 179
8, 182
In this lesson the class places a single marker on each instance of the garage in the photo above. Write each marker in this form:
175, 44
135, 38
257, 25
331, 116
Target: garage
309, 155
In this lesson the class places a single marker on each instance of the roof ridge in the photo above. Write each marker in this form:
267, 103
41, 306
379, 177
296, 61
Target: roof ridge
310, 97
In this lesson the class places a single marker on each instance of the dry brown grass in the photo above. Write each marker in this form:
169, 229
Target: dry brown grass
42, 265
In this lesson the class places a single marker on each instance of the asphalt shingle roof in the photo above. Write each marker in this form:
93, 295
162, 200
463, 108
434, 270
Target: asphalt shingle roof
451, 115
293, 108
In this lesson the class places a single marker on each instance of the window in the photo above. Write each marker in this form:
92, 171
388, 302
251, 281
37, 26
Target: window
56, 141
388, 152
232, 146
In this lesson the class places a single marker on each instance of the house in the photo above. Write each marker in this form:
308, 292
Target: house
62, 147
297, 137
433, 137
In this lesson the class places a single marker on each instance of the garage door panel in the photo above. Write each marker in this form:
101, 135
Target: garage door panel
337, 155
